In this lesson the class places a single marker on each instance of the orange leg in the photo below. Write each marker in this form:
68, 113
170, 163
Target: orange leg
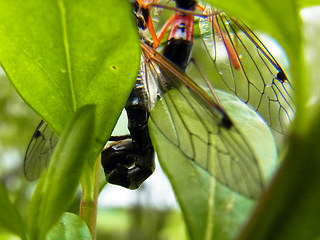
149, 23
164, 30
156, 39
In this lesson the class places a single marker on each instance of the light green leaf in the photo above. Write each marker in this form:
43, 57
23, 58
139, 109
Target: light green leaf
211, 210
61, 55
56, 188
255, 131
70, 227
10, 217
308, 3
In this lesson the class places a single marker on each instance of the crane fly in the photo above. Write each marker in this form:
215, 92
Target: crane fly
233, 49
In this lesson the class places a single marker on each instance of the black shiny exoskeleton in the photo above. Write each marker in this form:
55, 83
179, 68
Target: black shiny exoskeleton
136, 150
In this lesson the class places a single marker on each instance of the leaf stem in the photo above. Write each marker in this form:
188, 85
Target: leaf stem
89, 197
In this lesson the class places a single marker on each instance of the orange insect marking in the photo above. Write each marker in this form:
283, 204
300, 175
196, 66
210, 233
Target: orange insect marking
182, 20
230, 50
201, 8
140, 2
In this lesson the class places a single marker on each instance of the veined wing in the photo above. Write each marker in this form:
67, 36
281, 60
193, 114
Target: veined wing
191, 120
39, 151
248, 69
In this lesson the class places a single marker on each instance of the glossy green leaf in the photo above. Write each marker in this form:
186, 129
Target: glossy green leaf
10, 217
70, 227
61, 55
211, 210
56, 188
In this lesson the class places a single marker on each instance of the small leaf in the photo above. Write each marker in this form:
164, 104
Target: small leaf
70, 227
10, 217
56, 188
211, 210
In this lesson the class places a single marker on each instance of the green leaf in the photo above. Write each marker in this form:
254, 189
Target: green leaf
61, 55
70, 227
308, 3
255, 131
211, 210
56, 188
292, 203
10, 217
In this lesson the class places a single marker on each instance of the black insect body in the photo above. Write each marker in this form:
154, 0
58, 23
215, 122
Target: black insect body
137, 150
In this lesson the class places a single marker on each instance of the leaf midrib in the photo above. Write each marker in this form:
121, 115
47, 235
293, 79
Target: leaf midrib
66, 45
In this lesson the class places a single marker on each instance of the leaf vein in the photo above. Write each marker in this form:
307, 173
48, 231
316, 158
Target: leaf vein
66, 44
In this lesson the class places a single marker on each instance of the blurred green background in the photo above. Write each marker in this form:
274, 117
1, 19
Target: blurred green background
148, 213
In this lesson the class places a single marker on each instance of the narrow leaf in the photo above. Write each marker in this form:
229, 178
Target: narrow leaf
10, 217
56, 188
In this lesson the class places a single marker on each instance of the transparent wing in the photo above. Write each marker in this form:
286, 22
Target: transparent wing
202, 131
248, 69
39, 151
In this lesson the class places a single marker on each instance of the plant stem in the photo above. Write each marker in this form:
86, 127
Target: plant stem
89, 198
